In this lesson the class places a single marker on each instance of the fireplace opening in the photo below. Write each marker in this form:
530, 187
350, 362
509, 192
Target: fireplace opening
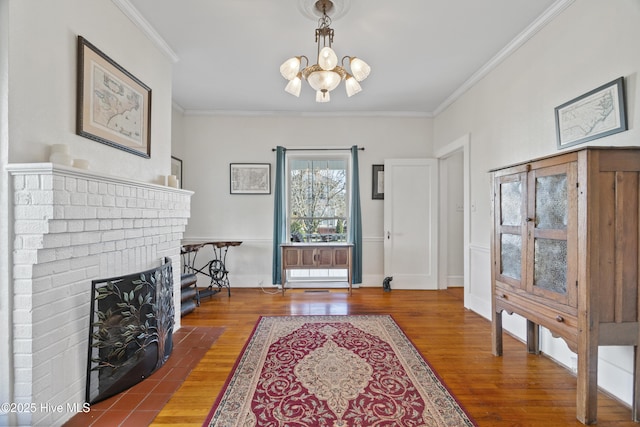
131, 329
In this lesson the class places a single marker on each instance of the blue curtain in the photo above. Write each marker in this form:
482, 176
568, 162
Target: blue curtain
279, 216
355, 223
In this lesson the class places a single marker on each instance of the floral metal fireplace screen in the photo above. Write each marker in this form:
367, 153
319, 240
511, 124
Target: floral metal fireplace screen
131, 329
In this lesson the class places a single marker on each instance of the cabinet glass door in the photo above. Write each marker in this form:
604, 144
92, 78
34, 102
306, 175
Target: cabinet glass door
511, 190
552, 223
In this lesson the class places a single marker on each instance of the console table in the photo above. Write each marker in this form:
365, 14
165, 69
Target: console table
316, 255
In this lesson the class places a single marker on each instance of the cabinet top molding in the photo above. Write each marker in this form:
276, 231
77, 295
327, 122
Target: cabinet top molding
630, 147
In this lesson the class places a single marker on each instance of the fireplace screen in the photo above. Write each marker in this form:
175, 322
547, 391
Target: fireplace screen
131, 330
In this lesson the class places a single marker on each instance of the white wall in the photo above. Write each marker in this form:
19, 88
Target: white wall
211, 143
42, 93
509, 115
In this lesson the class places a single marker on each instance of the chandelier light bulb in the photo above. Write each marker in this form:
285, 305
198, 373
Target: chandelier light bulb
322, 96
359, 68
327, 59
290, 68
294, 85
352, 85
324, 80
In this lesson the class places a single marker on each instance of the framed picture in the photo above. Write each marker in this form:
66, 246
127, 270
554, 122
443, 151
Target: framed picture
377, 182
250, 178
595, 114
113, 107
176, 169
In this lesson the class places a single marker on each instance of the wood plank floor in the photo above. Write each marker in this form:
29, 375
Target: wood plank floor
517, 389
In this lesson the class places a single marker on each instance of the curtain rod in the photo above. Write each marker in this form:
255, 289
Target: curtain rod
318, 149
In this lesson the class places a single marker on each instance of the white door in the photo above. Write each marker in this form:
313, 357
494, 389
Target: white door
410, 223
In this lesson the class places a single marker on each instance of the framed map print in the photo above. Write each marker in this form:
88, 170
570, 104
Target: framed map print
595, 114
250, 178
113, 107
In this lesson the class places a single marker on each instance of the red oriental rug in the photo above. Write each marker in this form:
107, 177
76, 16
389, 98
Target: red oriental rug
336, 371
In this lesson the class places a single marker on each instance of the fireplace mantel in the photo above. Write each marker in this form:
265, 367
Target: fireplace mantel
71, 226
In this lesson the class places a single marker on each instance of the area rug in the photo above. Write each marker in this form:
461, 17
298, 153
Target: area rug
334, 371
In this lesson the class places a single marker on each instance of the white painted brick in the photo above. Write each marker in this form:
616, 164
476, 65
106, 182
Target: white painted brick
32, 182
51, 268
94, 200
92, 187
75, 225
106, 224
25, 257
57, 226
96, 248
61, 197
24, 226
33, 212
18, 182
46, 182
112, 235
42, 197
91, 225
102, 188
75, 212
22, 271
79, 199
46, 255
71, 184
58, 183
108, 200
64, 252
80, 251
56, 240
88, 237
82, 185
23, 302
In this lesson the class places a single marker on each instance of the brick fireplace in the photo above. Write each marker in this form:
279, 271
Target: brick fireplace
72, 226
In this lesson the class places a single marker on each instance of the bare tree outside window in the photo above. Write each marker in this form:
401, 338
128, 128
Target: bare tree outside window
318, 200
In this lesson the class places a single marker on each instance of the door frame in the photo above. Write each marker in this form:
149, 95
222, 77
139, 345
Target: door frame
455, 146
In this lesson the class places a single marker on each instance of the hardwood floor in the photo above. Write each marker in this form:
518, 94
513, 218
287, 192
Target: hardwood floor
517, 389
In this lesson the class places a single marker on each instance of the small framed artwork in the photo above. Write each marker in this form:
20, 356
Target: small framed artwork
176, 169
598, 113
113, 107
377, 182
250, 178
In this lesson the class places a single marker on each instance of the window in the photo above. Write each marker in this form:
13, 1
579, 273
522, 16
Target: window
318, 204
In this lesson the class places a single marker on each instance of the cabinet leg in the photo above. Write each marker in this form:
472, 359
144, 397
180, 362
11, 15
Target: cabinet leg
587, 393
636, 386
533, 337
496, 334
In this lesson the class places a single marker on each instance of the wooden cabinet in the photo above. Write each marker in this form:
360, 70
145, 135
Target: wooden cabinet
565, 256
321, 255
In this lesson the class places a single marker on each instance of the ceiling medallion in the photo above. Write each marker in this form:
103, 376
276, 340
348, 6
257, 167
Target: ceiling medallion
325, 75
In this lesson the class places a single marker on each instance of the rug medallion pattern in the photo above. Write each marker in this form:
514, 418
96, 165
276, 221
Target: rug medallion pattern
334, 371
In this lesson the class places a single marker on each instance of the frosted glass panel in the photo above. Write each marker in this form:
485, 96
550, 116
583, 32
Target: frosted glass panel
550, 271
551, 202
511, 255
511, 203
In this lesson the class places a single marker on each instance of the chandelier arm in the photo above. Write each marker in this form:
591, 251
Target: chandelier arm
306, 59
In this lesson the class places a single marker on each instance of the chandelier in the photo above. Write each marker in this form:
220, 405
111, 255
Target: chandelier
326, 74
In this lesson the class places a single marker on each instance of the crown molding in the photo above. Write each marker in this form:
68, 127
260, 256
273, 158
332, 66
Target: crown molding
134, 15
547, 16
242, 113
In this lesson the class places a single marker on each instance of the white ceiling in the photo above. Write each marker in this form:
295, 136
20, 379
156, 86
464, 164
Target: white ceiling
422, 53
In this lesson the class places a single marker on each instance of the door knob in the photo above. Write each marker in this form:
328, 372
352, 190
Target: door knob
388, 235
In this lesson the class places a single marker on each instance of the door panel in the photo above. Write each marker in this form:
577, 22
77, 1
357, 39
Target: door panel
410, 218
